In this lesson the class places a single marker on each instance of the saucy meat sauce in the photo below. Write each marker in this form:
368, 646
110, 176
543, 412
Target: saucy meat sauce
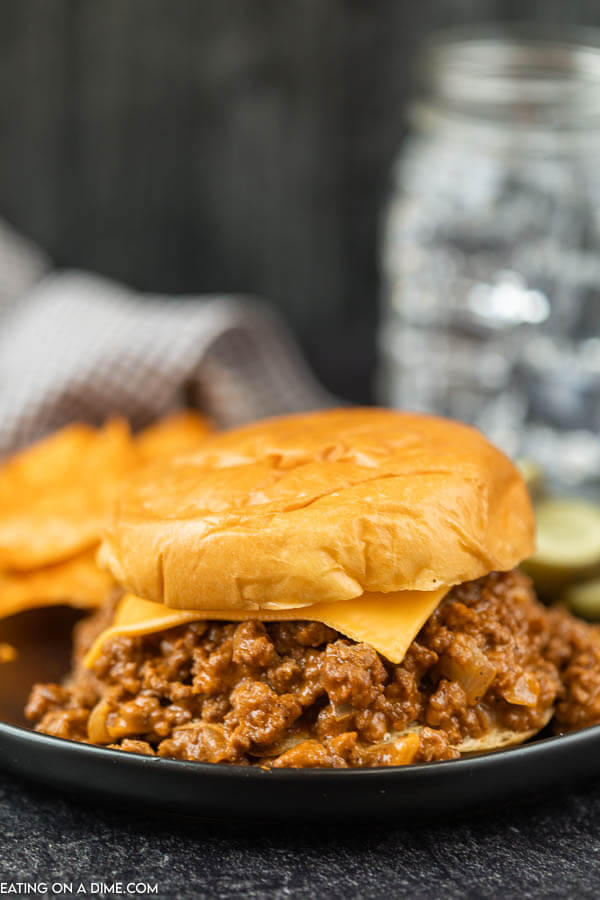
299, 694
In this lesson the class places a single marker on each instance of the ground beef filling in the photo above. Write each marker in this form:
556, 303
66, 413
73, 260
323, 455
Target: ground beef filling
298, 694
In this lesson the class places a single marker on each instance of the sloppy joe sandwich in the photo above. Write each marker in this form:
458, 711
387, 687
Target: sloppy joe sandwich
332, 589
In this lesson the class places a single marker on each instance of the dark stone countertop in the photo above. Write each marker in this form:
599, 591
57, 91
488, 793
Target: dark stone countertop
547, 848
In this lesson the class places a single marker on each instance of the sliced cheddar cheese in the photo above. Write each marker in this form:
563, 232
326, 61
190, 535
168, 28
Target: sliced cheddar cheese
387, 622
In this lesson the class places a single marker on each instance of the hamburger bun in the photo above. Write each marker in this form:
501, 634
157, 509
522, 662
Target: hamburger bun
319, 508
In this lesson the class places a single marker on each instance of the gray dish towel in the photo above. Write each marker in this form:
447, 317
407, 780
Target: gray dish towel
79, 347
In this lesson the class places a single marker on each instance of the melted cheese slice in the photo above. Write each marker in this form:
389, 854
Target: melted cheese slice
388, 622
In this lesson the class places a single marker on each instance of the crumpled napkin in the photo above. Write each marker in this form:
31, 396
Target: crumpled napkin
80, 347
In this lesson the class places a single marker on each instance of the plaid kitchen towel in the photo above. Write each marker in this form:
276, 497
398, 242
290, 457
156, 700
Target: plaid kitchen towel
79, 347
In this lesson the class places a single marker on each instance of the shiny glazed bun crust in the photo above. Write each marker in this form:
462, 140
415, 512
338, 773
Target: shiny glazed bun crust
318, 508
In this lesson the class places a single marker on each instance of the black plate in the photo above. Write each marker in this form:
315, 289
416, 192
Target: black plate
140, 782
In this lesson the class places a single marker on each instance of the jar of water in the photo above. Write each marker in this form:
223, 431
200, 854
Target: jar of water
491, 245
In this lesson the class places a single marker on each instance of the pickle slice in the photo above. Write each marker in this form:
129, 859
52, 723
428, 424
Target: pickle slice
568, 544
584, 599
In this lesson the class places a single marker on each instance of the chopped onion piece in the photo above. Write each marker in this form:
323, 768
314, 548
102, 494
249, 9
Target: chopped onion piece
524, 692
465, 663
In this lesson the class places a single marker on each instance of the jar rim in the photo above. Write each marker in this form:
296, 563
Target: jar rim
530, 74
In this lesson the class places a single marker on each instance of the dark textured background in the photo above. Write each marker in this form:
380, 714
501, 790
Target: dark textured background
547, 849
238, 145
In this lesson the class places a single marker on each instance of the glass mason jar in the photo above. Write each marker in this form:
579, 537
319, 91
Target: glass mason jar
491, 246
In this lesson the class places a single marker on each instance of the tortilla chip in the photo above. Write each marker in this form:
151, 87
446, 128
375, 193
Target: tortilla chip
179, 433
55, 495
8, 653
77, 582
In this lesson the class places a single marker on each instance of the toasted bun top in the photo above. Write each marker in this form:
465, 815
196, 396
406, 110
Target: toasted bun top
319, 508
